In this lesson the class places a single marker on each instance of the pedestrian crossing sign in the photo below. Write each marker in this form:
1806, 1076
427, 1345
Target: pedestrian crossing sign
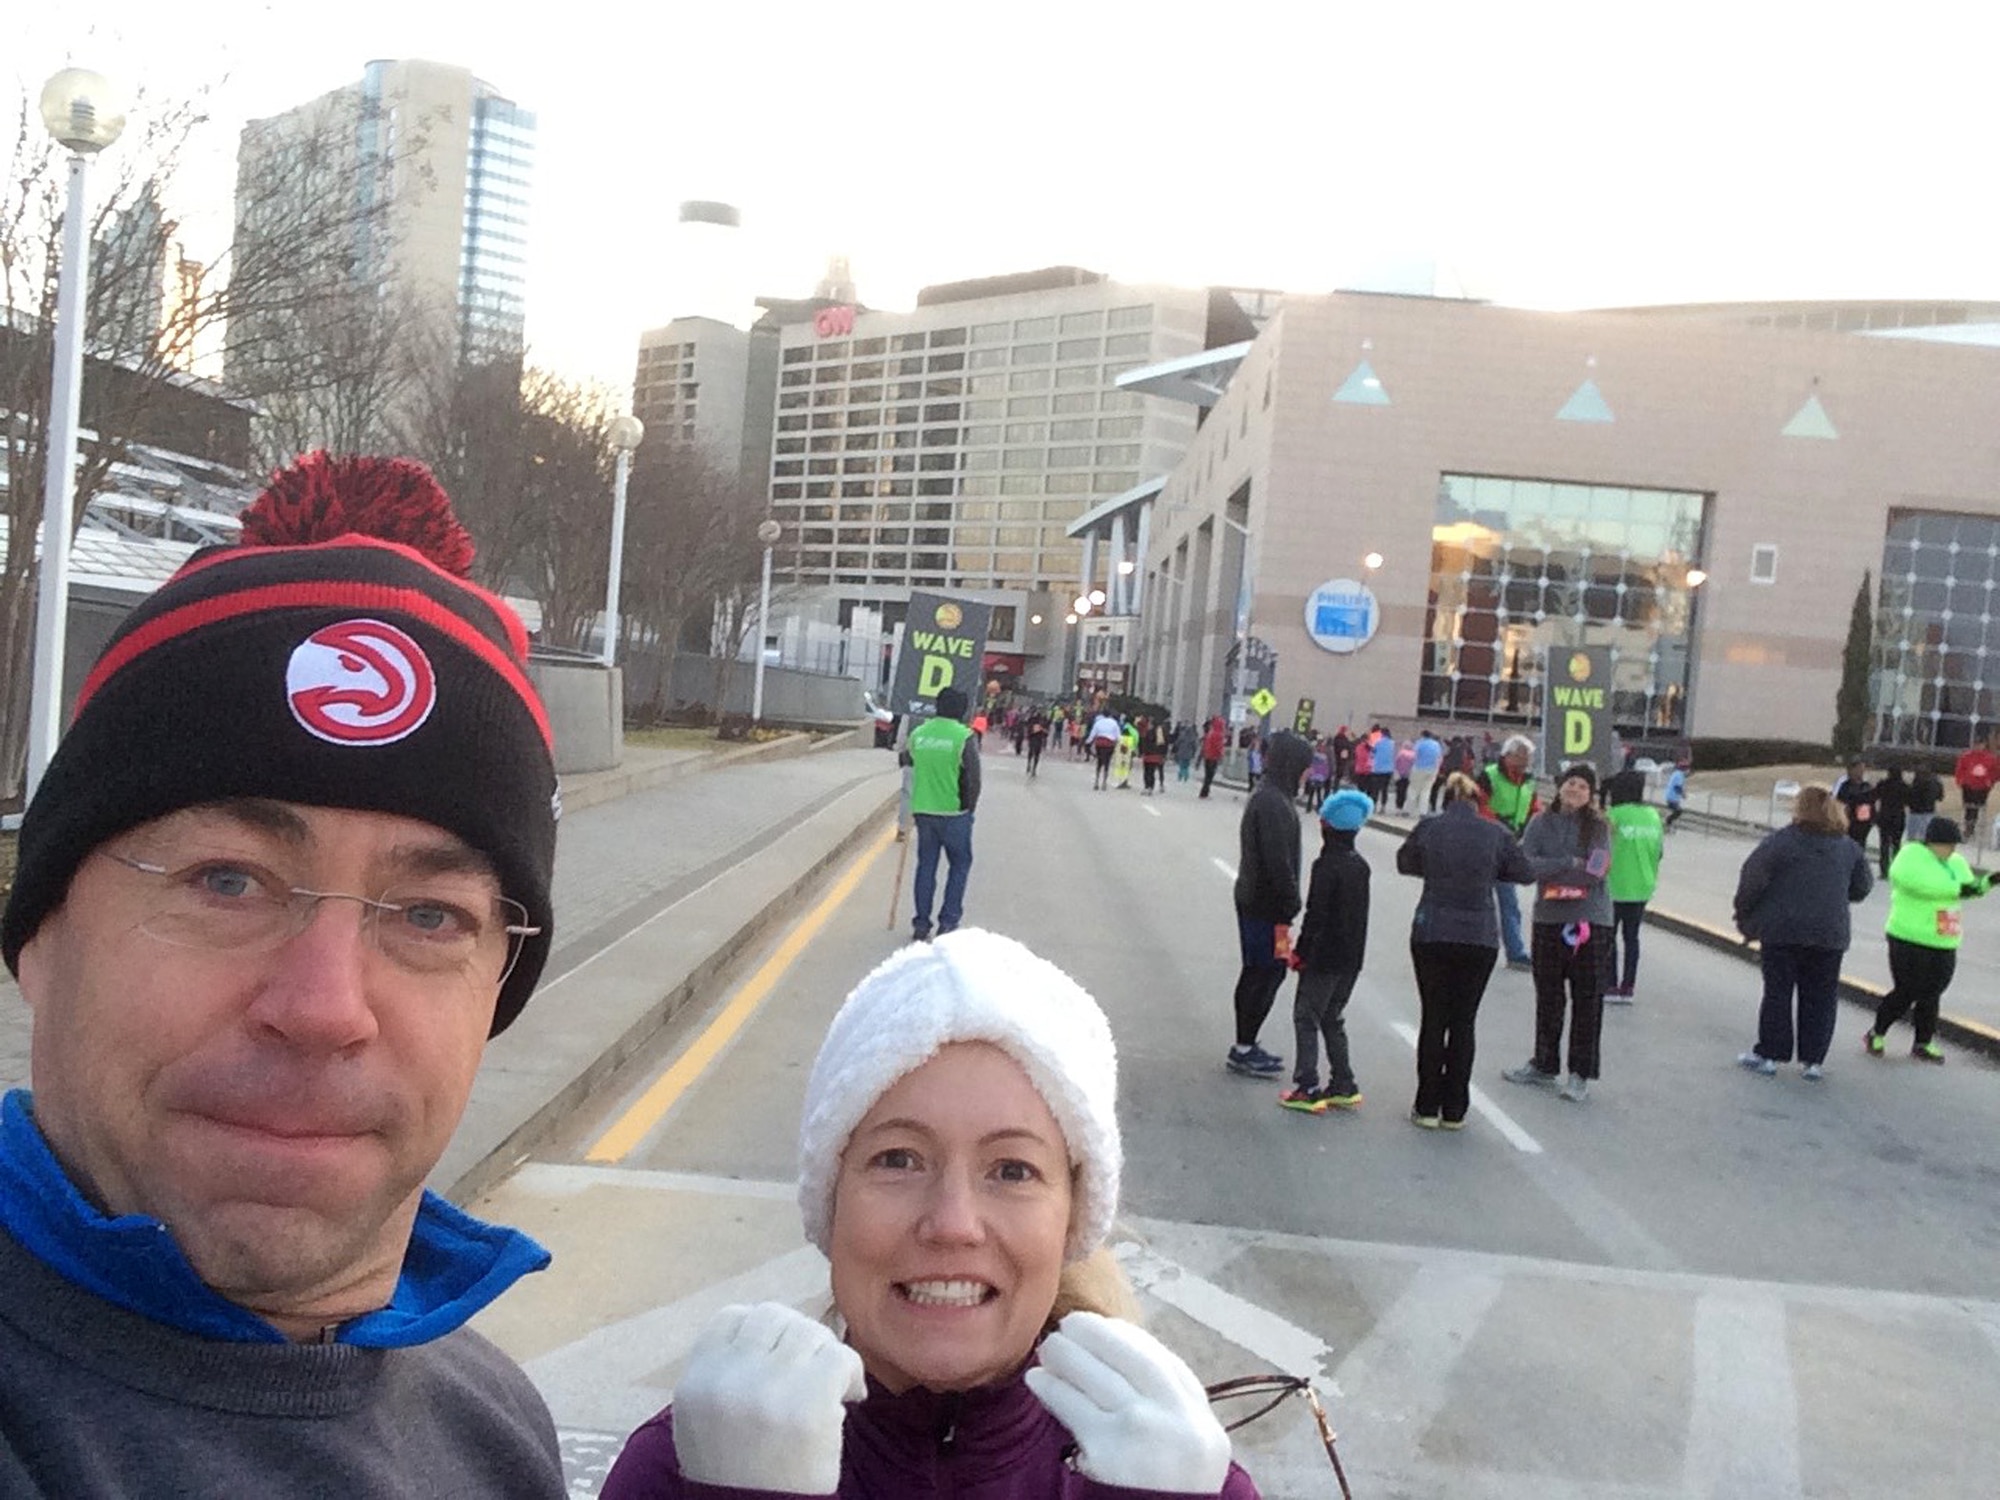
1262, 702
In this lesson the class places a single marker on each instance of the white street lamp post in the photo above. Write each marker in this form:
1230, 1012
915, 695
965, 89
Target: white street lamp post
626, 433
80, 110
768, 532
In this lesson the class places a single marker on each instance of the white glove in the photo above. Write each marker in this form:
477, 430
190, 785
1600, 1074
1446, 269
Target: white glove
762, 1402
1139, 1416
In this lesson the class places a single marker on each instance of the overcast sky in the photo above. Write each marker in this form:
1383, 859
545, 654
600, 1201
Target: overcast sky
1555, 155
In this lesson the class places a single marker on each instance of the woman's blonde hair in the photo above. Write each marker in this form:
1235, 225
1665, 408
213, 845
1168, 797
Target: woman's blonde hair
1457, 785
1818, 811
1098, 1284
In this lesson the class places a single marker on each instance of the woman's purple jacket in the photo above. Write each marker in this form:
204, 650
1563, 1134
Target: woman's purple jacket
994, 1443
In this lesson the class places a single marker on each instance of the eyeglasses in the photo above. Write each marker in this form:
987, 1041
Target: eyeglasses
448, 924
1272, 1390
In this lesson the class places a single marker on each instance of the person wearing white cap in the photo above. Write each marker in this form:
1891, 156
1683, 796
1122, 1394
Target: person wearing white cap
959, 1162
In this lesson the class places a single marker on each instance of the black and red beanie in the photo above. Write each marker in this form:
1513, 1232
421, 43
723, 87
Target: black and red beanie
338, 657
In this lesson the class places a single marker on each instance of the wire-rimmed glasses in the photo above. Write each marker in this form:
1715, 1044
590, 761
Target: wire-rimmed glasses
446, 924
1273, 1390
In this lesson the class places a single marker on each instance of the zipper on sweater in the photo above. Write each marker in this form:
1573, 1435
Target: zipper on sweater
947, 1426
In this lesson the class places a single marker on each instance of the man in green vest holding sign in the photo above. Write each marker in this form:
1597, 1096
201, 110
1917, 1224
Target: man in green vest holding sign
944, 789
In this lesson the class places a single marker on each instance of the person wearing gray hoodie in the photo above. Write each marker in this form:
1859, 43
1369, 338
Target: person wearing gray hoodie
1569, 846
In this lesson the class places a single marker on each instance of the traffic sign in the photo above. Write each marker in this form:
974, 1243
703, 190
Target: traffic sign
1262, 702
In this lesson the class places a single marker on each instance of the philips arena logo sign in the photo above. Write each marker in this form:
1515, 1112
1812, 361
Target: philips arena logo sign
1342, 615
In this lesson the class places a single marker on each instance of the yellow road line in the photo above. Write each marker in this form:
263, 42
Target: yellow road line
650, 1108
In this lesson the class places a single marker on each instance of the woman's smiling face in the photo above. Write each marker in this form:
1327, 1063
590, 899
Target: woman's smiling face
950, 1216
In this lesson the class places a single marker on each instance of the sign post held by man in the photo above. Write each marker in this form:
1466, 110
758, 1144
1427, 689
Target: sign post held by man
944, 645
1576, 715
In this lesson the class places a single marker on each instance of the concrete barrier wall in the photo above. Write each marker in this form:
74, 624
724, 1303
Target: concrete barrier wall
585, 703
790, 696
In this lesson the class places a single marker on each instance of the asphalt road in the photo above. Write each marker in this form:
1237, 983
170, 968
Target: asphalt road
1699, 1283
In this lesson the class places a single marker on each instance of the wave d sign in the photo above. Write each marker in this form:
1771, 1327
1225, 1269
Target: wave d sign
1342, 615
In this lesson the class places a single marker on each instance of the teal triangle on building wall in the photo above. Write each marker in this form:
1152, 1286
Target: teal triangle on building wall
1362, 388
1811, 421
1586, 405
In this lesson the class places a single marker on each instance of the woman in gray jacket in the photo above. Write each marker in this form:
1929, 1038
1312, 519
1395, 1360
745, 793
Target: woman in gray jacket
1569, 846
1454, 941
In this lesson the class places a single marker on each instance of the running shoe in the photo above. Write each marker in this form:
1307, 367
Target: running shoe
1929, 1052
1330, 1100
1426, 1122
1254, 1062
1305, 1101
1531, 1075
1874, 1044
1756, 1062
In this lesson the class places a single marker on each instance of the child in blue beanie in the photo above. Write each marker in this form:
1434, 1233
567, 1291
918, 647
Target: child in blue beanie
1331, 944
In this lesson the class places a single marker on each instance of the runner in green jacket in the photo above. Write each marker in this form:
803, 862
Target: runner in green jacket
1928, 886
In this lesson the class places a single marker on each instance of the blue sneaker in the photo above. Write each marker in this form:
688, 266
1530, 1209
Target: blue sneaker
1756, 1062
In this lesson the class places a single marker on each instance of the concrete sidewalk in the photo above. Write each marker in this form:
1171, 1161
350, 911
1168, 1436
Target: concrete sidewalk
665, 868
1696, 896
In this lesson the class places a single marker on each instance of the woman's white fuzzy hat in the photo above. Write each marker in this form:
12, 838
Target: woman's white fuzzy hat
968, 986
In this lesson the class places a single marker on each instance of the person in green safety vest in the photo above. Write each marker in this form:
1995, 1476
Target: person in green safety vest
1507, 796
944, 790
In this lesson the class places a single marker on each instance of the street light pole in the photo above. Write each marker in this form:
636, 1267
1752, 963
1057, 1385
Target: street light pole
626, 433
768, 532
78, 110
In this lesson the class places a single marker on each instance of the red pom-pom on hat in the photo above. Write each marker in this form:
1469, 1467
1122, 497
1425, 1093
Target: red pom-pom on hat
321, 498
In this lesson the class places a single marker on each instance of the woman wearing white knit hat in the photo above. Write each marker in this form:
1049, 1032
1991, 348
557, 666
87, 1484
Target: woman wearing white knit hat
958, 1164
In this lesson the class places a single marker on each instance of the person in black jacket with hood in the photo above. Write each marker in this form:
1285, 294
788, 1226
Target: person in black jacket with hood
1267, 898
1333, 940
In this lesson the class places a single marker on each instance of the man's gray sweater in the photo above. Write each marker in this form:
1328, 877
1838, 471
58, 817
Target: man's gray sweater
97, 1401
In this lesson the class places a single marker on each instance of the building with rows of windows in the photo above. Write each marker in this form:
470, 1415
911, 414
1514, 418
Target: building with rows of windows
950, 446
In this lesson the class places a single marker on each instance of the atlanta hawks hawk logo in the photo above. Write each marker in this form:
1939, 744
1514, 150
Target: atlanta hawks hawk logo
360, 682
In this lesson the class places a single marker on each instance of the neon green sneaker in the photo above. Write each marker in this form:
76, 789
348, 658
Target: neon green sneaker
1873, 1044
1305, 1101
1929, 1052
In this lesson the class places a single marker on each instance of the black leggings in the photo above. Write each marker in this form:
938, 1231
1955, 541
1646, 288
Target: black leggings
1919, 977
1208, 775
1627, 918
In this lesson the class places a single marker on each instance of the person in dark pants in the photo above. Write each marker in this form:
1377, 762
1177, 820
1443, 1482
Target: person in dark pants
1928, 884
1267, 898
1454, 941
1637, 840
944, 792
1856, 794
1213, 743
1333, 941
1569, 845
1892, 813
1037, 737
1792, 897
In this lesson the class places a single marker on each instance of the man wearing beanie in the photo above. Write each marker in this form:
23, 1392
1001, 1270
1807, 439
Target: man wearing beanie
286, 873
1267, 898
944, 790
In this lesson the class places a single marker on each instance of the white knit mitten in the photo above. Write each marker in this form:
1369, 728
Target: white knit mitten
1140, 1418
762, 1402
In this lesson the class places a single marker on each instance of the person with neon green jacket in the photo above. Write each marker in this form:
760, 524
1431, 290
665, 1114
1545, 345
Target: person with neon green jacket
1637, 840
1928, 886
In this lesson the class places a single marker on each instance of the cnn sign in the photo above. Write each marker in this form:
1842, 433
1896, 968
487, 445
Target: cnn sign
832, 322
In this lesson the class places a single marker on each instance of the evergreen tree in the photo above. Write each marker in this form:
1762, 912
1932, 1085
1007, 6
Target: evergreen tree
1850, 704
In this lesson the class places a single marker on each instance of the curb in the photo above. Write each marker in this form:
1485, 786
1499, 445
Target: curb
608, 786
1974, 1036
526, 1137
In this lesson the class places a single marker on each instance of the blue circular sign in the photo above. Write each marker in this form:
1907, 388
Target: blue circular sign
1341, 615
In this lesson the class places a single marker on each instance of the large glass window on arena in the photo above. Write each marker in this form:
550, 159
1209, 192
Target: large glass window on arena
1522, 565
1936, 678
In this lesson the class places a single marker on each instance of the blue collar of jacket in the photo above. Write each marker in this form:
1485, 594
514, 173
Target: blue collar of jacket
455, 1264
